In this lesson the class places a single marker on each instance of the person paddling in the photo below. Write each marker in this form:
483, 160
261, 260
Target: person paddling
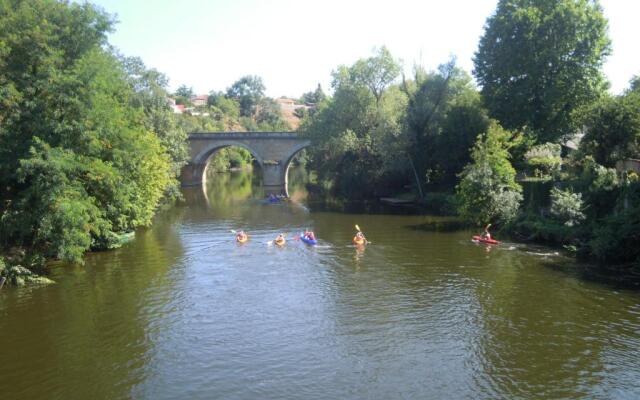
309, 235
359, 238
280, 240
485, 234
242, 237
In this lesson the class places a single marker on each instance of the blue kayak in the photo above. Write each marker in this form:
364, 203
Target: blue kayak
307, 240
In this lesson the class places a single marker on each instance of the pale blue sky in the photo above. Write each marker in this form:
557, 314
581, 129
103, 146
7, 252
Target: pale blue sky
295, 44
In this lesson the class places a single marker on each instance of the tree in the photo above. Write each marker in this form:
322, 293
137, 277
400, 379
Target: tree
540, 60
185, 91
612, 128
78, 166
269, 116
376, 72
488, 191
314, 97
248, 90
354, 133
150, 95
444, 117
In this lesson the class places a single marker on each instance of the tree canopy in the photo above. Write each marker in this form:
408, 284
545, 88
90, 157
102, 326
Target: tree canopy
248, 90
81, 158
539, 60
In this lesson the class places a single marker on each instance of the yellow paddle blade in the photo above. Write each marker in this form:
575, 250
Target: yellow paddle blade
358, 228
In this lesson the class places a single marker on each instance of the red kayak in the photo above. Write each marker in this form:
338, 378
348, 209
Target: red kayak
483, 240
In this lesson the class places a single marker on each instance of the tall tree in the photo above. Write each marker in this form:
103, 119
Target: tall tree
444, 117
353, 131
248, 90
539, 60
150, 95
77, 163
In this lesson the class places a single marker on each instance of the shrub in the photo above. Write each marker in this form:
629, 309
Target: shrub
566, 206
544, 159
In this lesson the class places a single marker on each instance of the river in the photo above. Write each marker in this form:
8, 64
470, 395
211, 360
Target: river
183, 311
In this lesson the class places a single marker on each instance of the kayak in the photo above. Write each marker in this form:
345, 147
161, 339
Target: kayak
483, 240
357, 241
242, 240
307, 240
279, 242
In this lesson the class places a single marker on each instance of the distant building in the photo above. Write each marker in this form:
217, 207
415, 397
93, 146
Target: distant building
283, 101
200, 100
176, 108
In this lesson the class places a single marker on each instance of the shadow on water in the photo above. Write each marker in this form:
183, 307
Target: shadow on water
617, 278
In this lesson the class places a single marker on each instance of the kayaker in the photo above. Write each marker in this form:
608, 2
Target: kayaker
309, 235
280, 239
485, 234
241, 236
359, 238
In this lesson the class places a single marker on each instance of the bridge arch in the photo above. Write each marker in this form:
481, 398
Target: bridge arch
272, 150
208, 152
211, 149
287, 164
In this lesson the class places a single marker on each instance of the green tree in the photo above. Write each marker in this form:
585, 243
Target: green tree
314, 97
77, 163
150, 95
269, 117
488, 191
376, 72
613, 128
183, 95
444, 117
354, 133
248, 90
184, 91
540, 60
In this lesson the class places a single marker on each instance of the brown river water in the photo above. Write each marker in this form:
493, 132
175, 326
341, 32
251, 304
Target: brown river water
185, 312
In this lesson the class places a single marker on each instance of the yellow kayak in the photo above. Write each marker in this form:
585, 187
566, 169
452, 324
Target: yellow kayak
242, 239
280, 242
358, 241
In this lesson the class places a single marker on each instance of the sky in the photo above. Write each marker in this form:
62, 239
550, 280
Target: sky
295, 44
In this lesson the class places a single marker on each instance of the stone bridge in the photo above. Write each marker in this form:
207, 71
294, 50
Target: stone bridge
272, 150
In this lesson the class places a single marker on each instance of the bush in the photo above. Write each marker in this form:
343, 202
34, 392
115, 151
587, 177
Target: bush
616, 238
567, 206
544, 159
530, 226
488, 191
